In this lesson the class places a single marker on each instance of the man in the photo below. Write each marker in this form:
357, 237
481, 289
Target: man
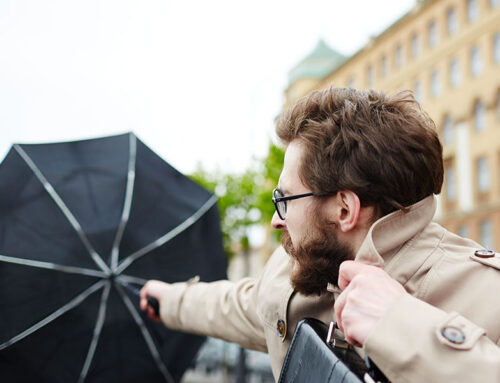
355, 202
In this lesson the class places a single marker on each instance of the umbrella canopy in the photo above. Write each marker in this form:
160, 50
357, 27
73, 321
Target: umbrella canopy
78, 221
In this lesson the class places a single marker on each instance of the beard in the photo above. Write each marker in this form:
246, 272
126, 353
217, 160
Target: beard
316, 261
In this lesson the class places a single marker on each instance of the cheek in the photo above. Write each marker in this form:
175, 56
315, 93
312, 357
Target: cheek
299, 220
296, 228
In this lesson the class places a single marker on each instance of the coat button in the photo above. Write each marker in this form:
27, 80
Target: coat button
484, 253
453, 334
281, 328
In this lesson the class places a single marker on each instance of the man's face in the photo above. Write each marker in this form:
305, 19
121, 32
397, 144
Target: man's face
310, 236
296, 219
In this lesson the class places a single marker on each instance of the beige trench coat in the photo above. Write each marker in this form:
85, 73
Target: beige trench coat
447, 329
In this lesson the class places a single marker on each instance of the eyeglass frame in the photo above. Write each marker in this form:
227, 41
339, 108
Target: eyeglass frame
277, 200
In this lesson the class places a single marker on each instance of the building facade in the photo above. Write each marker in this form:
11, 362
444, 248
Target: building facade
448, 53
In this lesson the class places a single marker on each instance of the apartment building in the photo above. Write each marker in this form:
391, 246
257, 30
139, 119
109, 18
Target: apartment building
448, 53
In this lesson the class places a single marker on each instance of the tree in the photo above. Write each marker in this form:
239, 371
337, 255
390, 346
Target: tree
237, 204
244, 199
272, 165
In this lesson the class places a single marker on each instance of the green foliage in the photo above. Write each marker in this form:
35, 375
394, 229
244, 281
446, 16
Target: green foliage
272, 165
236, 201
244, 199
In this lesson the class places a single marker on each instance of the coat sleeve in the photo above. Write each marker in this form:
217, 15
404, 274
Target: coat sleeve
222, 309
417, 342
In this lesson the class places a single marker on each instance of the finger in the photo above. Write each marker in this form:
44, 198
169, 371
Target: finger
339, 311
143, 297
352, 341
150, 289
152, 315
150, 312
349, 269
143, 292
339, 307
144, 304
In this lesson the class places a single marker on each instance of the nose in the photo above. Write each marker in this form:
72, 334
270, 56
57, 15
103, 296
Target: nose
278, 223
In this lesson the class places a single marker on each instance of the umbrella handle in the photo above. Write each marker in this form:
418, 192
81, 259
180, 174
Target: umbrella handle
153, 302
155, 305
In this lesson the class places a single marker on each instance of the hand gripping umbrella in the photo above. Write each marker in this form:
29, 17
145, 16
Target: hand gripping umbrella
78, 222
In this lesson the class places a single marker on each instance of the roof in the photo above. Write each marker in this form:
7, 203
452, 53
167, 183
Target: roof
324, 61
319, 63
419, 4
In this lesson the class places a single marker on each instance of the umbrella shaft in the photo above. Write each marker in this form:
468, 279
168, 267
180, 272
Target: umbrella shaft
153, 302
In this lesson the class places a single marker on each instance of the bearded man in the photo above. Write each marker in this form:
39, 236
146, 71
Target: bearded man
355, 202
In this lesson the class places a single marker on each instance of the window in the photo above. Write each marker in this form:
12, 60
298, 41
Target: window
384, 66
496, 48
450, 190
476, 63
432, 34
455, 75
447, 130
486, 233
435, 83
415, 45
463, 231
369, 76
399, 59
451, 21
472, 10
479, 116
483, 175
417, 91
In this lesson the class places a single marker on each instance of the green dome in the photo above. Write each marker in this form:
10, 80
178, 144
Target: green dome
318, 64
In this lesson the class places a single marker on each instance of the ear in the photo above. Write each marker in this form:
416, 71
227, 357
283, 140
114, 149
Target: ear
349, 209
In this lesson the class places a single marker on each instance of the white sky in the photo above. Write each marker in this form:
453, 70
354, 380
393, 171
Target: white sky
196, 80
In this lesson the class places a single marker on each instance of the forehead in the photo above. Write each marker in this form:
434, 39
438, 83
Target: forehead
289, 178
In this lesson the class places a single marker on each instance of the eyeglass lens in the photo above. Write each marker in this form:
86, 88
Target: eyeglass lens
281, 205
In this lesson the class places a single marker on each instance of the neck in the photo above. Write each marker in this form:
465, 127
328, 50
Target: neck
357, 236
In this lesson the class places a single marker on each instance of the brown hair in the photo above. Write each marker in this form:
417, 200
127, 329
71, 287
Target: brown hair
384, 148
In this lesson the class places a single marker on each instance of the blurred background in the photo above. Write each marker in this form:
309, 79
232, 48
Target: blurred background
202, 83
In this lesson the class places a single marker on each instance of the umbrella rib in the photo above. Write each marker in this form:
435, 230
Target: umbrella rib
145, 333
56, 314
128, 200
101, 316
52, 266
130, 279
64, 209
168, 236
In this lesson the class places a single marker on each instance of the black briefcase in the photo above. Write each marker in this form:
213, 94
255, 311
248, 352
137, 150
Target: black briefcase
311, 359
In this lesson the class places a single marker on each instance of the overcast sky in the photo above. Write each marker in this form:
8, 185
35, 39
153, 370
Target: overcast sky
198, 81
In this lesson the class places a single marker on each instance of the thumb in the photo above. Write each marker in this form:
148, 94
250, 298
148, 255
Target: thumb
349, 269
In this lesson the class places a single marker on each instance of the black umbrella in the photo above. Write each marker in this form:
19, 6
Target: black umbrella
78, 222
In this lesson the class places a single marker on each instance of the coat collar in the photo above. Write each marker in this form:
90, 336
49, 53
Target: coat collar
392, 231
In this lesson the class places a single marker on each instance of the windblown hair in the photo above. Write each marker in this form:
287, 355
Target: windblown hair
382, 147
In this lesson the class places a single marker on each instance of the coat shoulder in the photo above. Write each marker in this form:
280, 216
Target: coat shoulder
487, 258
464, 251
464, 278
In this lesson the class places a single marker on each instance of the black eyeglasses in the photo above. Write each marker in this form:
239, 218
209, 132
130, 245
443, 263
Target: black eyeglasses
280, 201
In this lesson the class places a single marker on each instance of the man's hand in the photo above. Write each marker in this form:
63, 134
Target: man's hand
368, 292
154, 289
